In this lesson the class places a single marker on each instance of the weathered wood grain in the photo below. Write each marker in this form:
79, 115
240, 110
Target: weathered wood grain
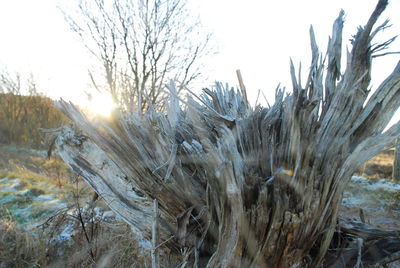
242, 186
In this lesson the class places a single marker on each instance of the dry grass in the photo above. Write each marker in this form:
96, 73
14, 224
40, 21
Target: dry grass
33, 166
380, 166
113, 246
110, 243
19, 248
384, 159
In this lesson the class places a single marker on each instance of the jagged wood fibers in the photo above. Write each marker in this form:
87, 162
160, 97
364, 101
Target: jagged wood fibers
238, 185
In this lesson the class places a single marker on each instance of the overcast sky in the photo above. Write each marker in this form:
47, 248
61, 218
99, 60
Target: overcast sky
256, 36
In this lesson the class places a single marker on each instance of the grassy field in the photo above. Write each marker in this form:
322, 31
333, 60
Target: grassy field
48, 217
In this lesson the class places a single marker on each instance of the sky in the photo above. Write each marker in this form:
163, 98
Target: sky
256, 36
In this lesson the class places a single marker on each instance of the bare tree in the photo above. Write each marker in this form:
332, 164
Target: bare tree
239, 186
141, 44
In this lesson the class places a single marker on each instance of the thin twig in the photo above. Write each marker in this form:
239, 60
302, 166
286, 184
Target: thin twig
155, 258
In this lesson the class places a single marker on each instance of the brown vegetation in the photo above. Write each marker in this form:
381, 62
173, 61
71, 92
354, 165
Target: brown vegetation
22, 117
380, 166
112, 245
29, 242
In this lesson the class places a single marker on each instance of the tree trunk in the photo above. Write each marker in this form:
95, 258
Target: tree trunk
239, 186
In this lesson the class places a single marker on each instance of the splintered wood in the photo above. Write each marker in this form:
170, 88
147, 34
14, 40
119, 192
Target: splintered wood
242, 186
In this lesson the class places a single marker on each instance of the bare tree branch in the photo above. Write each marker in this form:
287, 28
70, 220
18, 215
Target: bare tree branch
141, 45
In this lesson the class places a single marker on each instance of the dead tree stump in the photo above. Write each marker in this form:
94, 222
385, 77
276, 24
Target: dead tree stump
242, 186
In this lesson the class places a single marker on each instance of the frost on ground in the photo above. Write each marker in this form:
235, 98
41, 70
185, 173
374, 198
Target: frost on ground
375, 200
28, 205
32, 206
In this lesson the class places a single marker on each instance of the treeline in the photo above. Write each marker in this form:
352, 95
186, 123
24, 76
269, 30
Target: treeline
22, 116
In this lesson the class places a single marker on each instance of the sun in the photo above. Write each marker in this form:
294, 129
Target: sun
101, 104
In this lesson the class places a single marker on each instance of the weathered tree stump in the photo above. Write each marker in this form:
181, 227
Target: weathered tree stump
242, 186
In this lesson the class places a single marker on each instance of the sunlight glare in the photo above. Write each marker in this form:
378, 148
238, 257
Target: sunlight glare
101, 104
